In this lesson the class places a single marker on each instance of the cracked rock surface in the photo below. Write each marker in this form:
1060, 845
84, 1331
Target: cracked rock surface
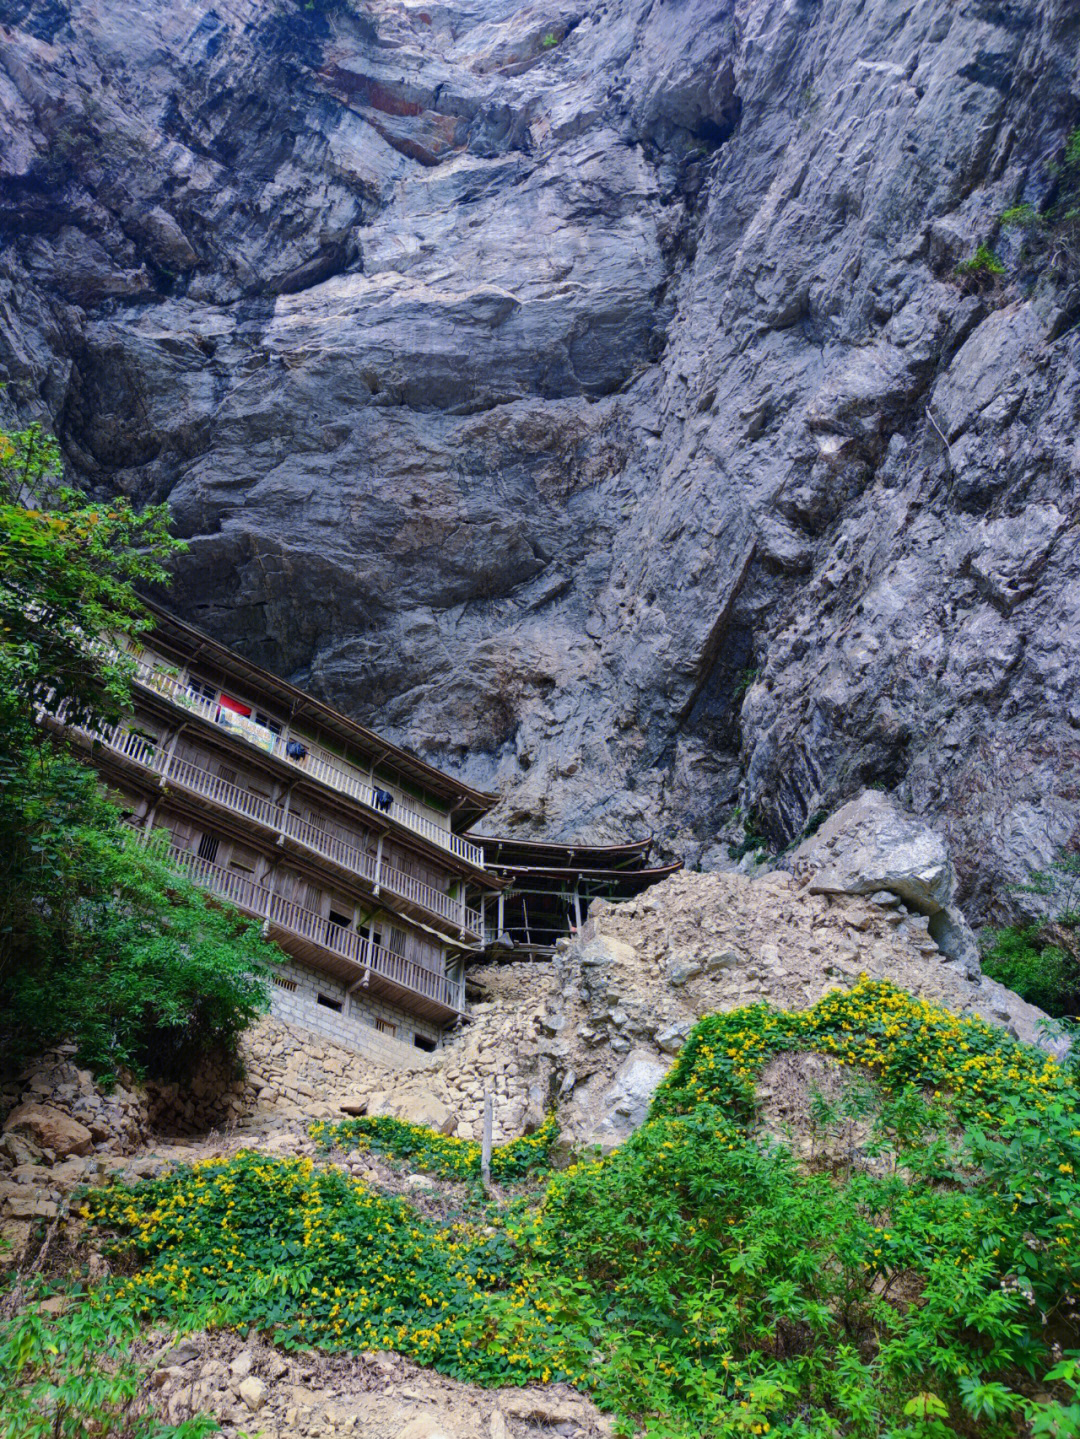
585, 393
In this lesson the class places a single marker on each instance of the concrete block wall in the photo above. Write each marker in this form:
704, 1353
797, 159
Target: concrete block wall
294, 995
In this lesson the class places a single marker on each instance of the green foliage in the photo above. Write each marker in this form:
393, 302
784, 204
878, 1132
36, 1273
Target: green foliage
68, 571
699, 1281
1052, 233
1043, 974
71, 1376
1024, 214
101, 939
1041, 962
550, 41
744, 680
441, 1154
753, 840
983, 263
314, 1256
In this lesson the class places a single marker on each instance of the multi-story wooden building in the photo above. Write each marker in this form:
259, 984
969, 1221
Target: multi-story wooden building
349, 848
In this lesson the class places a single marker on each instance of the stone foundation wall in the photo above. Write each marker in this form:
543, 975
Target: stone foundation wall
294, 997
504, 1050
288, 1072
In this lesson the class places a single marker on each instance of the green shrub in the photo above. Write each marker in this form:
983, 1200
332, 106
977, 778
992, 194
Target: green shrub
1052, 233
441, 1154
1041, 962
1041, 973
983, 263
71, 1376
68, 572
101, 940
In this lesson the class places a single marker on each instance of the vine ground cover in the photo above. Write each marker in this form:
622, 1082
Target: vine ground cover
697, 1281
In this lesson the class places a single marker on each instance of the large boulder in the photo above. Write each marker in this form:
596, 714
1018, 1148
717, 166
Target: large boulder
419, 1108
50, 1128
872, 845
605, 1111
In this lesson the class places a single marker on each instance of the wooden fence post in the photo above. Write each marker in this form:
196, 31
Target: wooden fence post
485, 1148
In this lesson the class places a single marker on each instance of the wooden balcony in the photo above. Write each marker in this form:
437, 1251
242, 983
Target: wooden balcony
317, 764
410, 892
349, 956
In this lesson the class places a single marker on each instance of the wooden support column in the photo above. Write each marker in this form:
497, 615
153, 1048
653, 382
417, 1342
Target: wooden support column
172, 750
462, 906
378, 865
284, 811
500, 927
148, 819
577, 909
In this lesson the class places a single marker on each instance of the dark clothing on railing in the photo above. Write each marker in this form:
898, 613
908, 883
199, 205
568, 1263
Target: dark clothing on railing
383, 800
295, 750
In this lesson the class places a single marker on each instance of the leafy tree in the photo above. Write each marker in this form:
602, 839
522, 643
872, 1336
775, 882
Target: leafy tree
101, 940
68, 571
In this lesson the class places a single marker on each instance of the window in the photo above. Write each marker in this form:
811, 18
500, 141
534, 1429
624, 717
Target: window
395, 941
344, 920
422, 1041
286, 984
272, 725
227, 773
208, 847
201, 689
328, 1003
385, 1027
240, 867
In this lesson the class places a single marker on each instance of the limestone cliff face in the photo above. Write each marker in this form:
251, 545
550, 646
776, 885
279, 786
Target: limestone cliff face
584, 392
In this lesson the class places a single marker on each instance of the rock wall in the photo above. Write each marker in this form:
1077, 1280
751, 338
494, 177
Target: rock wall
587, 394
505, 1051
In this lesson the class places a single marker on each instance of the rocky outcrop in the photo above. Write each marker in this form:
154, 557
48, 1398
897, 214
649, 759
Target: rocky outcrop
587, 394
643, 972
870, 846
59, 1108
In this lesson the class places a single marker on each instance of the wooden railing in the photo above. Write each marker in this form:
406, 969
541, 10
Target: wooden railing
317, 763
273, 816
257, 900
